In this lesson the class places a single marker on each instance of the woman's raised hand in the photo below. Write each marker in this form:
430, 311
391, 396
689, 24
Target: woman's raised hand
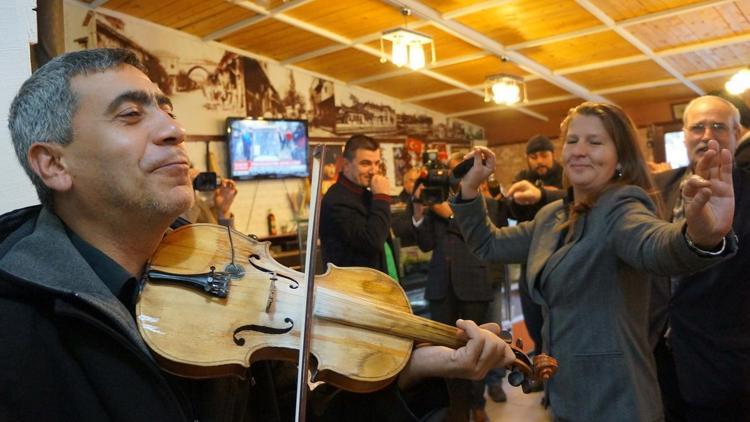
709, 198
484, 165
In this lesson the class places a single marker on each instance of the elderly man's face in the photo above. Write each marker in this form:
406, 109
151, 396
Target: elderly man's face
541, 161
710, 118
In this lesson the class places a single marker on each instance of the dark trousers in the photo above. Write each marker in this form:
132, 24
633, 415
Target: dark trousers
464, 394
676, 409
532, 313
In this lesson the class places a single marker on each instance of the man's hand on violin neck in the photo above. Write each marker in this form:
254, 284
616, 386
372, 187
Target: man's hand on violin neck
483, 351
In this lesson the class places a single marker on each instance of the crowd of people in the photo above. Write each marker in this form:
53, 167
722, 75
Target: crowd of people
635, 282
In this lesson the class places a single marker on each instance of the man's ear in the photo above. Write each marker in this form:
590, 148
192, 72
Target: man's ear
46, 160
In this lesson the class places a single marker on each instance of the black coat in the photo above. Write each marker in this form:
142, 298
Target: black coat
354, 226
70, 351
552, 178
710, 311
453, 265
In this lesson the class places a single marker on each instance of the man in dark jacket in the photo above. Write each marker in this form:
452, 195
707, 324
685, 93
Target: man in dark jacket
107, 159
459, 285
355, 215
543, 171
701, 323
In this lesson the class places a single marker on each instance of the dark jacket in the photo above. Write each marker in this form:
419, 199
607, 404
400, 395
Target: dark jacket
453, 266
552, 178
354, 226
710, 310
70, 351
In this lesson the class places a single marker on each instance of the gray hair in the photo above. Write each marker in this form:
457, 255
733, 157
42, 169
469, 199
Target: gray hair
43, 109
732, 107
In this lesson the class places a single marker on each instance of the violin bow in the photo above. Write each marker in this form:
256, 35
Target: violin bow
312, 236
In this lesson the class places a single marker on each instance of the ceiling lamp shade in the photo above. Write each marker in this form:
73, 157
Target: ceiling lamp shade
406, 48
739, 82
504, 89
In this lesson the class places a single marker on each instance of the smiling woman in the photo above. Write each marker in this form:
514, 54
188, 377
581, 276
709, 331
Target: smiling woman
588, 258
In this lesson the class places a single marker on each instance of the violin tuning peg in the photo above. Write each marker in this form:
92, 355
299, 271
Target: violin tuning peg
519, 343
506, 336
516, 378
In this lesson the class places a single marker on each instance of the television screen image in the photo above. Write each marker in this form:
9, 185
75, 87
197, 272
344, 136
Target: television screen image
674, 147
267, 148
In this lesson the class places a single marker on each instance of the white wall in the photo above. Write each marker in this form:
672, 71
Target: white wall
18, 23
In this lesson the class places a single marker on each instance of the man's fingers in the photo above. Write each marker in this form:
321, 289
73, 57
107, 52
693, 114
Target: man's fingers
726, 166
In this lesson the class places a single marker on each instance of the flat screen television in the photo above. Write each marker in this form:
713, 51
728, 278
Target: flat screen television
674, 148
267, 148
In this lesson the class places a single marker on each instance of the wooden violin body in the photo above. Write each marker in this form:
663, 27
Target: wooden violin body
215, 301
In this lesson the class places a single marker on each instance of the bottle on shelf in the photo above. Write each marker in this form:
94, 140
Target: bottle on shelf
271, 223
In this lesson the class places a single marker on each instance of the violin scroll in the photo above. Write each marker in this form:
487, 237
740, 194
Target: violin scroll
528, 373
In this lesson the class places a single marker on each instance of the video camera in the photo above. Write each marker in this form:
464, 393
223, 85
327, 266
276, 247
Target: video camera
206, 181
436, 178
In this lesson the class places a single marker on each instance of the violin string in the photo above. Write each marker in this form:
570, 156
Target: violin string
231, 243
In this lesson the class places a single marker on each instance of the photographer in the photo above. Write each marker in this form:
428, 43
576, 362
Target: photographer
208, 207
458, 283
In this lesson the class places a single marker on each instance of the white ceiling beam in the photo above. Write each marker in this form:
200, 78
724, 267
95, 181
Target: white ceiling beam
503, 107
481, 40
474, 8
558, 37
381, 76
439, 94
316, 53
691, 48
602, 64
637, 43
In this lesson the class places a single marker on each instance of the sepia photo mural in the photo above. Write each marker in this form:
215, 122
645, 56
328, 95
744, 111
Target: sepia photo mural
202, 76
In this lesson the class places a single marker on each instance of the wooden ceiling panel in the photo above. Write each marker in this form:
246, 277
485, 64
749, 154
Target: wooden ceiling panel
350, 18
620, 10
711, 59
539, 89
627, 74
710, 23
713, 84
641, 96
577, 51
523, 20
275, 39
447, 46
558, 110
474, 72
456, 103
347, 65
408, 85
204, 19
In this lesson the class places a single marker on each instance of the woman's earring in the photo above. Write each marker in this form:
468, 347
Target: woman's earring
618, 171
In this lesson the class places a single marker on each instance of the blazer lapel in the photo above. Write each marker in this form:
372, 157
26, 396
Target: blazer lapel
545, 250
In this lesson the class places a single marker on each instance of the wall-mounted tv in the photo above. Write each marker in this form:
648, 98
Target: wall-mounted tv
266, 148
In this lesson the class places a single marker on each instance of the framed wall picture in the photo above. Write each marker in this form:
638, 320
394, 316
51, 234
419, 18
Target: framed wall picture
677, 110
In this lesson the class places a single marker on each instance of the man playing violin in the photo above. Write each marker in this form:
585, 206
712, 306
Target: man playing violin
106, 156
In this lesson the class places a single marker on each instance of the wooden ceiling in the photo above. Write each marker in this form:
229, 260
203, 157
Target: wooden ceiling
621, 51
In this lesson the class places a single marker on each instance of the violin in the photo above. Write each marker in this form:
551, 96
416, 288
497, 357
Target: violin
214, 301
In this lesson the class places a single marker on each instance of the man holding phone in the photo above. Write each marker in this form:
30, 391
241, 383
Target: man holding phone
213, 199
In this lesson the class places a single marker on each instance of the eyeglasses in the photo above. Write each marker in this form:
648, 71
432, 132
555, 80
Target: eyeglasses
700, 128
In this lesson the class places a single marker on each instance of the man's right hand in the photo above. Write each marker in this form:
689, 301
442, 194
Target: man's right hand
380, 185
524, 192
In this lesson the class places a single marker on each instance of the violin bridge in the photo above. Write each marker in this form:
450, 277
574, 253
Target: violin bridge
271, 293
